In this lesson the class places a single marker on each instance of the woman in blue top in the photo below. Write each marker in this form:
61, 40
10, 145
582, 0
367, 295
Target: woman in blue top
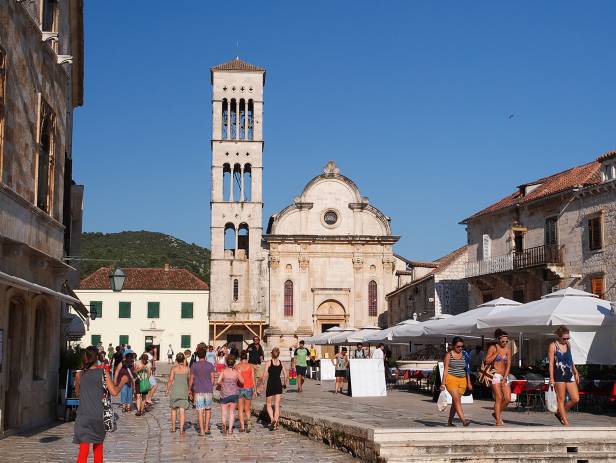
563, 374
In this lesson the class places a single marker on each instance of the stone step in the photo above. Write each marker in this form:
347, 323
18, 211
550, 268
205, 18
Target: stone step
523, 457
489, 448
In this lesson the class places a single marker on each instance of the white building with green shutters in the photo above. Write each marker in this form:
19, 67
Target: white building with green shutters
157, 306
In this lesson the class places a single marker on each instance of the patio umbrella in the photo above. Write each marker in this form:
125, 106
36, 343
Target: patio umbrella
571, 307
578, 310
316, 337
354, 337
323, 339
465, 324
407, 332
387, 333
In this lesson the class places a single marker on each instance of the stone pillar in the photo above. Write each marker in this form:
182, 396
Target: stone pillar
237, 119
241, 183
229, 119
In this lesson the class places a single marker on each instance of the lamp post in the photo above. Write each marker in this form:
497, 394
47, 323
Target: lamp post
117, 278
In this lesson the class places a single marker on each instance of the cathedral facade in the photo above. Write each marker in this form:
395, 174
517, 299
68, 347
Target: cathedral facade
325, 260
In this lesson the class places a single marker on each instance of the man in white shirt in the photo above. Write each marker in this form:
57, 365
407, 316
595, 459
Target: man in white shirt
378, 352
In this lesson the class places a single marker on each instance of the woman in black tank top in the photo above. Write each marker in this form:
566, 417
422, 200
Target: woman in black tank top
274, 376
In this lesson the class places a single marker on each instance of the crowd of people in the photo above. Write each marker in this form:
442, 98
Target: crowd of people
494, 372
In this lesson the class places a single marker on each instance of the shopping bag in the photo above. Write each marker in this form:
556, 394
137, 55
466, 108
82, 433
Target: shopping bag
292, 377
550, 400
441, 403
486, 373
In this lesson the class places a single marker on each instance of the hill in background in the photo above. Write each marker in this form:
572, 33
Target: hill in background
142, 249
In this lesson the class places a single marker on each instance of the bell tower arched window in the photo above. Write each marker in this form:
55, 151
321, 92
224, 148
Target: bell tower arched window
372, 309
288, 298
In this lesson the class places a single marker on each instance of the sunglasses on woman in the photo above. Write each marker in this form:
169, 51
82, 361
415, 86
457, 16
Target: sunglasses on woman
459, 346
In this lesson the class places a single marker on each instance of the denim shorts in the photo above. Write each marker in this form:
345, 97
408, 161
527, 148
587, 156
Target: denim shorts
203, 400
246, 393
230, 399
126, 395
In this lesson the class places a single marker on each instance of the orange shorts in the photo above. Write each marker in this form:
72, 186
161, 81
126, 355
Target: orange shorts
454, 383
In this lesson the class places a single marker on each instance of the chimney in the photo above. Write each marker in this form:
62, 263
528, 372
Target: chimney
167, 267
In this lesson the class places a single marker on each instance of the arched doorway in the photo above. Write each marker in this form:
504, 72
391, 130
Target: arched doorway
330, 313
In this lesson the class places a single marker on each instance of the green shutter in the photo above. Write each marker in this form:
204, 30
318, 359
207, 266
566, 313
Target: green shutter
185, 341
97, 306
153, 309
124, 311
96, 339
187, 310
123, 339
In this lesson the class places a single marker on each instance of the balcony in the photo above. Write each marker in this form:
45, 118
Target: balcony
531, 257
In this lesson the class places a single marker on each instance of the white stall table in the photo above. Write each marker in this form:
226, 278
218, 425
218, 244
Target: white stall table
368, 378
328, 371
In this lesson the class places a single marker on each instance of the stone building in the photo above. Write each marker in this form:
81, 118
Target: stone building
326, 259
238, 304
41, 82
157, 306
331, 260
435, 288
555, 232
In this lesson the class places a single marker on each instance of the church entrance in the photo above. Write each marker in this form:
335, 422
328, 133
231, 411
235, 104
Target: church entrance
329, 314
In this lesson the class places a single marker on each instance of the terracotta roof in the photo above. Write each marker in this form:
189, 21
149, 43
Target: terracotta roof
237, 64
584, 175
147, 278
417, 263
606, 156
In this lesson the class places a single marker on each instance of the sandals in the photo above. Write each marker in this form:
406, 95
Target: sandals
172, 430
560, 418
465, 423
451, 425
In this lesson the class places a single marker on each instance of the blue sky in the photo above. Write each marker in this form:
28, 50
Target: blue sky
411, 99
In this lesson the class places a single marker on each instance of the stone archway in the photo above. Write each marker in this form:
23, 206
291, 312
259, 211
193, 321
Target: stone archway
328, 314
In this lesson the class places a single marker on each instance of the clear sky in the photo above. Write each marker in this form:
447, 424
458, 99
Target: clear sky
411, 99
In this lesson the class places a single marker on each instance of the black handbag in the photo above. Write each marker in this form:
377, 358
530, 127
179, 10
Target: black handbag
109, 418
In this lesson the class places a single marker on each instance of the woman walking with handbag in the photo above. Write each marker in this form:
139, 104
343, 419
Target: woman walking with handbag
456, 379
564, 376
499, 356
143, 373
179, 378
91, 386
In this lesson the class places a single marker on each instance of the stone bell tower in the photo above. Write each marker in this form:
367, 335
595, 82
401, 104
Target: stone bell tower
237, 298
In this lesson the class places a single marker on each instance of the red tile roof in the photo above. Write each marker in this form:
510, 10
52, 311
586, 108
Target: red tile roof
147, 278
237, 65
606, 156
584, 175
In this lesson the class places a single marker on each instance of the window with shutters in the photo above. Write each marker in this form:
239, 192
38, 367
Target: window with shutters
45, 159
124, 310
185, 341
595, 233
236, 290
95, 339
597, 286
153, 309
123, 339
187, 310
372, 309
551, 231
96, 307
288, 298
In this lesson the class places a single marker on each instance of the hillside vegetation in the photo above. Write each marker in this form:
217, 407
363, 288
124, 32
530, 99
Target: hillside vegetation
142, 249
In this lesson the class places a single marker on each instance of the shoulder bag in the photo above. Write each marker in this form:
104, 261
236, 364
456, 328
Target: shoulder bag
109, 418
486, 373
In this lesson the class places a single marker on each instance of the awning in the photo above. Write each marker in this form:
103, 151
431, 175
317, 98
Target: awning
26, 285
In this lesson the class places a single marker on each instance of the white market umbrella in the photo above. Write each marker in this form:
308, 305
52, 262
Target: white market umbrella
578, 310
408, 332
316, 337
323, 339
569, 306
354, 337
387, 334
465, 324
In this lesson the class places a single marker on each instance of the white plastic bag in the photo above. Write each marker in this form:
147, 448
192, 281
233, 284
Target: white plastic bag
550, 400
441, 403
